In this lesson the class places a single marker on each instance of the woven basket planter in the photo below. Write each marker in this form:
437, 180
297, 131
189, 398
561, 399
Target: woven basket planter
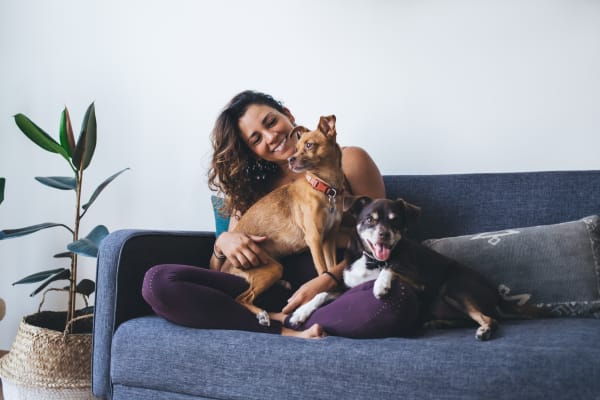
45, 363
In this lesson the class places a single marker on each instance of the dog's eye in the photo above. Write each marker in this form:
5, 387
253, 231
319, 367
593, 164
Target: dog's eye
308, 145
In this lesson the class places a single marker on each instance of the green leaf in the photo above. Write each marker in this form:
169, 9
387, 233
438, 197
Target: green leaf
13, 233
86, 144
64, 274
85, 310
39, 276
65, 254
58, 182
2, 185
88, 246
67, 140
38, 136
86, 287
100, 188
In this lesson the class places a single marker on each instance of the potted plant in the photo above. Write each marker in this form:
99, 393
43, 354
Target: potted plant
58, 344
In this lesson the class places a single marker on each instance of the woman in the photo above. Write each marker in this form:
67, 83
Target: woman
252, 145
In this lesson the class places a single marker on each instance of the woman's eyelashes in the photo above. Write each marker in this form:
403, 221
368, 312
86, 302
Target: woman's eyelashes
269, 123
255, 139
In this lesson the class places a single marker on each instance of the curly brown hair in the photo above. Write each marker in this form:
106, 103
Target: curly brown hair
235, 171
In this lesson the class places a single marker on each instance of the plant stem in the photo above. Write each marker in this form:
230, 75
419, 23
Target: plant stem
73, 280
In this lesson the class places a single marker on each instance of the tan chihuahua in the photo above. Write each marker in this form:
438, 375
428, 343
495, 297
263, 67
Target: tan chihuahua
303, 214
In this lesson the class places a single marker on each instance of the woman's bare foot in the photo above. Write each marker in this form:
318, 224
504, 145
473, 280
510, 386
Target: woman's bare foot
314, 332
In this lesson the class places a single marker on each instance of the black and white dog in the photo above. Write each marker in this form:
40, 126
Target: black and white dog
450, 294
368, 252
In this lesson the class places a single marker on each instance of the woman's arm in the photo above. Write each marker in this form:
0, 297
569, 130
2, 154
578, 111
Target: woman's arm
238, 248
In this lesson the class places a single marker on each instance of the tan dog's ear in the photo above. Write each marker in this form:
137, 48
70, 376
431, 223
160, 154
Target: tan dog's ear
327, 125
355, 204
298, 130
411, 212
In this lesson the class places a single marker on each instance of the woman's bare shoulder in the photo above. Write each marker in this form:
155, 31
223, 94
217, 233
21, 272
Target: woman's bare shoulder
361, 172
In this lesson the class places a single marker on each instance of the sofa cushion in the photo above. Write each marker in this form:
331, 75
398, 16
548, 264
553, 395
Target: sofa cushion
554, 266
537, 359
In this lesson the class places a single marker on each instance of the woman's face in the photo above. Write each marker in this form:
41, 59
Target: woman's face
266, 131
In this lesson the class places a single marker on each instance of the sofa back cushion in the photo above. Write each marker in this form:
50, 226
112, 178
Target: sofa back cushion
462, 204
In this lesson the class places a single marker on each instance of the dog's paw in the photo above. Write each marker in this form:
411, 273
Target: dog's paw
380, 290
263, 318
300, 316
304, 311
484, 332
382, 284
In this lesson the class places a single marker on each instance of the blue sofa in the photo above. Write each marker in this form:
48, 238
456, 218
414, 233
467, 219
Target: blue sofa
137, 355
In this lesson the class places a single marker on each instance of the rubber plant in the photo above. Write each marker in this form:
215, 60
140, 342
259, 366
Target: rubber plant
78, 155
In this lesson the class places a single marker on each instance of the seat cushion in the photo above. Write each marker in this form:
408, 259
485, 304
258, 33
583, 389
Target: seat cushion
547, 358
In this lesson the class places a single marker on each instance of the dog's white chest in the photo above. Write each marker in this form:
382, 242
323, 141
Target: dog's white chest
359, 273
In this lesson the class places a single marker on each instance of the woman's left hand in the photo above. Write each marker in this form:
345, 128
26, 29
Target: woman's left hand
307, 291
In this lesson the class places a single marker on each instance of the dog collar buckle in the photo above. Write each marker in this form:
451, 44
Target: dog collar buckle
321, 186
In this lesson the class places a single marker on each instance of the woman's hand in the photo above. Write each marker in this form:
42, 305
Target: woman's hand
307, 291
242, 250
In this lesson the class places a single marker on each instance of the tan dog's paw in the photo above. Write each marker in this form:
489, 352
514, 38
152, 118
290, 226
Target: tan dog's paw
263, 318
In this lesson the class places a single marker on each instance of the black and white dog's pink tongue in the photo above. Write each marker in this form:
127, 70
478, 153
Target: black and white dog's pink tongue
380, 252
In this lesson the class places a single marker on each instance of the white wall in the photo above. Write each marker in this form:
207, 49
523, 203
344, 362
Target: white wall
424, 86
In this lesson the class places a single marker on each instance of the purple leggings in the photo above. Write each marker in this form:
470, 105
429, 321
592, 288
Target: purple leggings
202, 298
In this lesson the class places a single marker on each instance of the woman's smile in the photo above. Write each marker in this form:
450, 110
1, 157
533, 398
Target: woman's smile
281, 145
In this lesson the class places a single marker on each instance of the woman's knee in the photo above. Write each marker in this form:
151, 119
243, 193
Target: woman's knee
153, 286
403, 306
395, 313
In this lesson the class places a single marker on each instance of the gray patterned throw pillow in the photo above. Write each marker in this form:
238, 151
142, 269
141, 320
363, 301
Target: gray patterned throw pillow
554, 266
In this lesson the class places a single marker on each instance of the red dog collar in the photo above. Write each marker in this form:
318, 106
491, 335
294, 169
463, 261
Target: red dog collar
321, 186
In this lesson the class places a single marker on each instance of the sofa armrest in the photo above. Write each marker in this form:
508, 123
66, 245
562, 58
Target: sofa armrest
123, 259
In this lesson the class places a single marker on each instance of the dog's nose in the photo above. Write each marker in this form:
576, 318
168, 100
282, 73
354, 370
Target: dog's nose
292, 159
385, 235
